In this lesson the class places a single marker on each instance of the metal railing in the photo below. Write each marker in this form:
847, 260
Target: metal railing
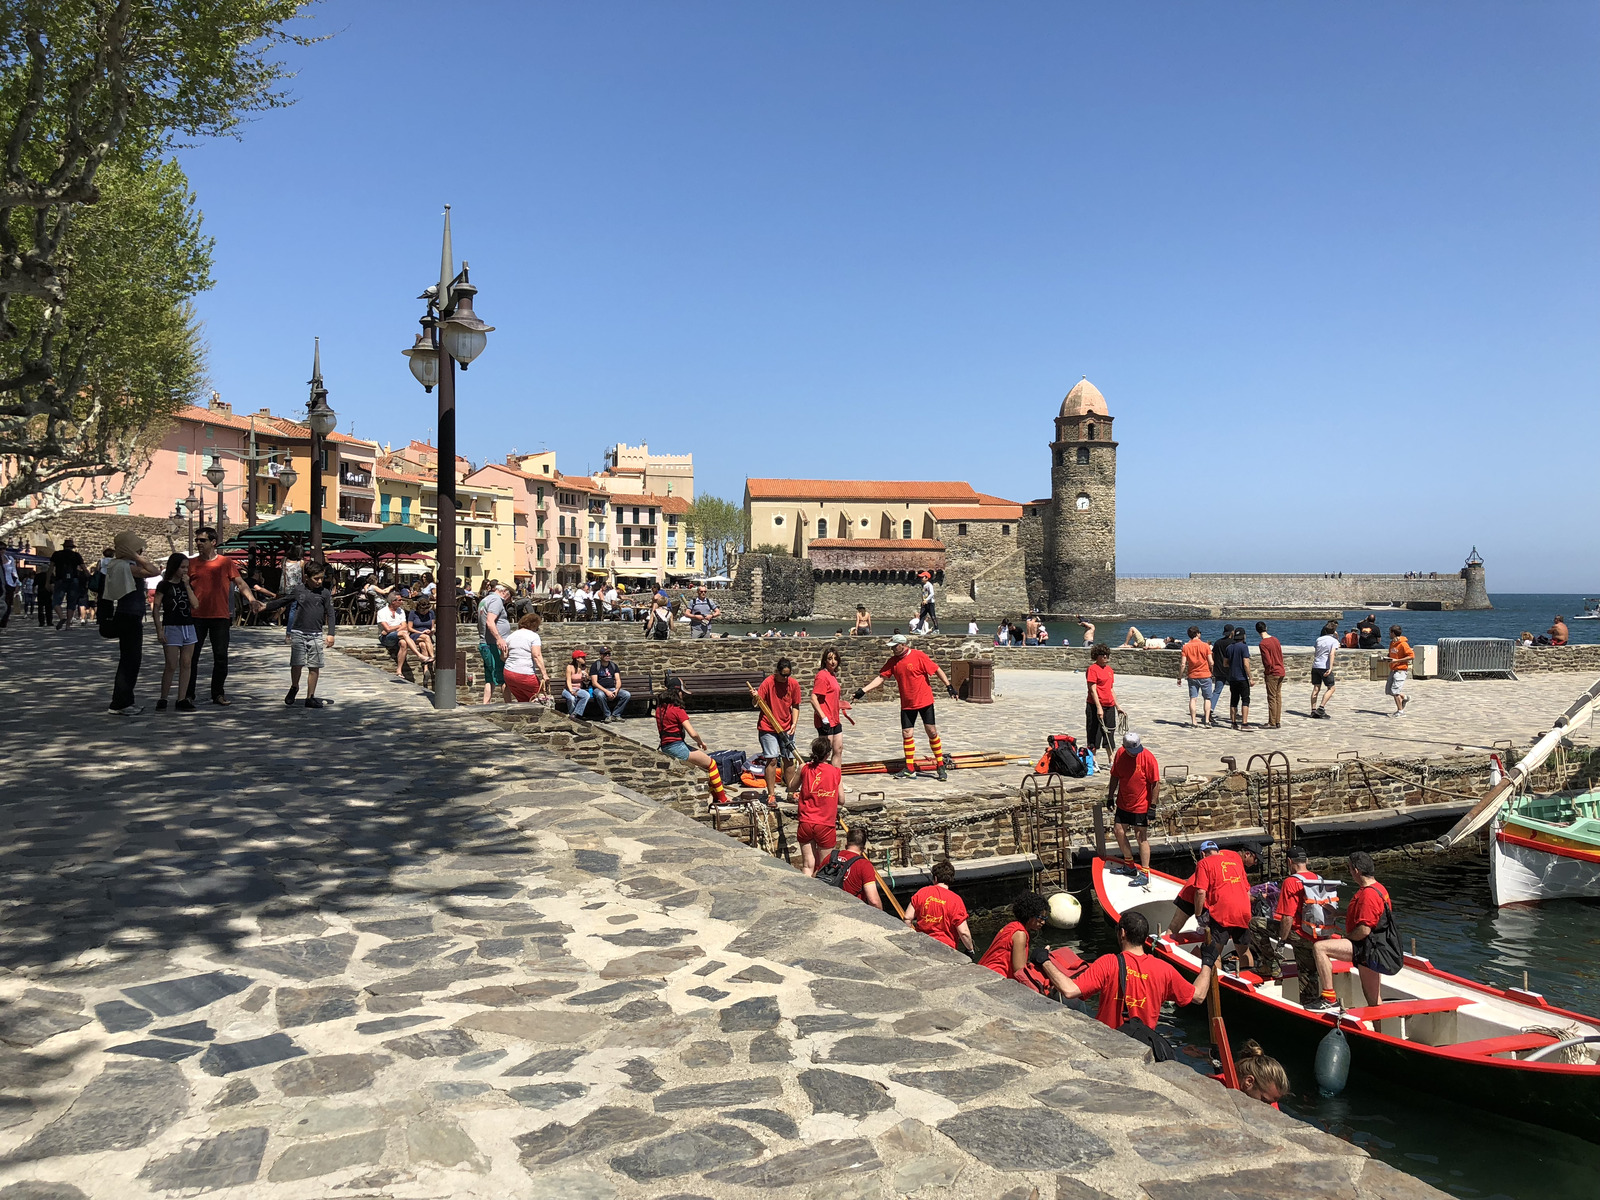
1477, 658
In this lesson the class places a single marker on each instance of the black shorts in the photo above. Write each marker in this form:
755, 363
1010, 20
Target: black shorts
1221, 935
830, 730
1239, 693
1321, 677
1140, 820
1186, 907
908, 717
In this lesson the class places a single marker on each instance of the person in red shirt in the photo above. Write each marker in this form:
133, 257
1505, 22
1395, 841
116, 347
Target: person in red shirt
911, 670
1011, 951
1100, 710
819, 806
1151, 981
1300, 913
1135, 785
827, 705
1366, 911
1221, 886
781, 693
673, 728
939, 912
213, 578
852, 871
1273, 672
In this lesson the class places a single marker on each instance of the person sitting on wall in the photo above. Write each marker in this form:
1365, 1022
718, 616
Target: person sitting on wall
1134, 640
1558, 632
1368, 636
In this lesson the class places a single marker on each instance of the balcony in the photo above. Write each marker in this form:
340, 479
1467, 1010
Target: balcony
355, 479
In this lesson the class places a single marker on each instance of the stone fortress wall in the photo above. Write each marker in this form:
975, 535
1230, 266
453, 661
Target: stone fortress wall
1465, 588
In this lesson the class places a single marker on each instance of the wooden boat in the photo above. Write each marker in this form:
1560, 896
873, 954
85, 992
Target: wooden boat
1542, 847
1506, 1051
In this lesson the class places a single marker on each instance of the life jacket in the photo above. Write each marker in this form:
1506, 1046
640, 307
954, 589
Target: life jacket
1321, 895
1061, 757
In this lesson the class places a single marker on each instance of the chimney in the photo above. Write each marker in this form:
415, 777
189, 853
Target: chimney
263, 412
217, 404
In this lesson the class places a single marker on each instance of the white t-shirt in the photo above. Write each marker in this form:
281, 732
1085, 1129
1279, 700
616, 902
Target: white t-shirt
389, 615
519, 651
1326, 645
927, 592
972, 628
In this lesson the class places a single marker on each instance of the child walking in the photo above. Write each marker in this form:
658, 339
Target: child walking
174, 618
311, 612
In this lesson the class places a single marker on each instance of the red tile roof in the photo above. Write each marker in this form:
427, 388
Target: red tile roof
876, 543
578, 483
914, 491
976, 512
676, 505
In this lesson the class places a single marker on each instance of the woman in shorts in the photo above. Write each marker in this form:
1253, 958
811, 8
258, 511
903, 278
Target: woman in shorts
818, 828
827, 705
174, 621
417, 633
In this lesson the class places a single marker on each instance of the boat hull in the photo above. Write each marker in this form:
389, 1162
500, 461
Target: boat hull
1524, 872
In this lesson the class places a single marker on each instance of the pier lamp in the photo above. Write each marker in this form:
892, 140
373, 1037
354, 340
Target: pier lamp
322, 420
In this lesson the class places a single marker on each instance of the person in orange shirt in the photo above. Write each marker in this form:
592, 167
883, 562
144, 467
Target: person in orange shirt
1197, 671
939, 912
1401, 657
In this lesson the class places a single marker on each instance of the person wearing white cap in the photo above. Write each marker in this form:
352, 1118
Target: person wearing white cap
911, 670
1134, 788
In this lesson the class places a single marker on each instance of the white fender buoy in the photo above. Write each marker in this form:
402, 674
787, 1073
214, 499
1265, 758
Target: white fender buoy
1065, 910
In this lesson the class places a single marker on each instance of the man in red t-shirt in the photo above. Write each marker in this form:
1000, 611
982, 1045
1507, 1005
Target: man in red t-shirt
1273, 671
939, 912
1135, 785
1151, 982
858, 877
780, 692
1221, 891
213, 578
911, 670
1301, 914
1366, 912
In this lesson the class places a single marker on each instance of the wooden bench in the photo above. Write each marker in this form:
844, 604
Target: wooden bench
1484, 1047
635, 685
702, 686
1390, 1009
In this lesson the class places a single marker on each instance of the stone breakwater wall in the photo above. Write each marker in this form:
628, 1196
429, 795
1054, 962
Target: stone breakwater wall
1536, 660
1283, 591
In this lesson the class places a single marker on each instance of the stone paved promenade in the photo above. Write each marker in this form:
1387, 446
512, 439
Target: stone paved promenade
371, 952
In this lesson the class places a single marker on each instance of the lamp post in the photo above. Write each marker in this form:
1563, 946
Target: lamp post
322, 420
448, 325
190, 509
216, 475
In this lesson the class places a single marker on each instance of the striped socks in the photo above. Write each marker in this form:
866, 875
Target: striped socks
1330, 996
910, 749
714, 778
938, 750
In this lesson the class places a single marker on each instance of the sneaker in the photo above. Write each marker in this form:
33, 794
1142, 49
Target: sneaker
61, 624
221, 700
316, 702
132, 710
941, 773
161, 704
1141, 880
906, 773
1120, 868
1317, 1005
288, 697
185, 706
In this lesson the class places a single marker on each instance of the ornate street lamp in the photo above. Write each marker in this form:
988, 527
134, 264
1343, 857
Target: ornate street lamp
322, 420
451, 334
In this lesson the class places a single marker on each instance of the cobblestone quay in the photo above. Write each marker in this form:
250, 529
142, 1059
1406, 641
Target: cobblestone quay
376, 952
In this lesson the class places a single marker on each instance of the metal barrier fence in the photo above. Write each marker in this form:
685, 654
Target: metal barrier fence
1477, 658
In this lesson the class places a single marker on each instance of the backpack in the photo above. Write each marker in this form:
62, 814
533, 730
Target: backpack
834, 869
730, 763
1061, 757
1160, 1049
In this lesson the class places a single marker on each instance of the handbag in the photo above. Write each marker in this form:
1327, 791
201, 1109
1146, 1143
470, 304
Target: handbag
1160, 1048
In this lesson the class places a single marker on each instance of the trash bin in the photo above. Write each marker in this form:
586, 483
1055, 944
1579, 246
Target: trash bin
979, 683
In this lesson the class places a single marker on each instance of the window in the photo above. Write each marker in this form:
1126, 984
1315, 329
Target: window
433, 529
1005, 531
627, 556
541, 495
1083, 456
672, 558
652, 516
383, 507
673, 520
636, 516
547, 468
822, 527
905, 529
777, 519
210, 433
688, 558
486, 534
1091, 431
466, 539
961, 529
1061, 457
183, 460
322, 458
688, 539
272, 495
627, 536
405, 510
646, 555
541, 523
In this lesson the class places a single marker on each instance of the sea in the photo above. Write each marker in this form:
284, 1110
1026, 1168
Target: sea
1513, 614
1444, 904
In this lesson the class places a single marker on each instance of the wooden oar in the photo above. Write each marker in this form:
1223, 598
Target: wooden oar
1219, 1031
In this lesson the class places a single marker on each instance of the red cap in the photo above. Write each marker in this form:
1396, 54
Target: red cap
580, 654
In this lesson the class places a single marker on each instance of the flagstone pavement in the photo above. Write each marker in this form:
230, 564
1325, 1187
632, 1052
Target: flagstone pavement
375, 951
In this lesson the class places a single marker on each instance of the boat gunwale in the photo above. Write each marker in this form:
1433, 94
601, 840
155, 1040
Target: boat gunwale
1184, 961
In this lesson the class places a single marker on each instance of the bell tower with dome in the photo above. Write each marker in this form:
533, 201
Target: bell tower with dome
1081, 534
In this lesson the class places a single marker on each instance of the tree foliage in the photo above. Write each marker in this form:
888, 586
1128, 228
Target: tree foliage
100, 249
720, 528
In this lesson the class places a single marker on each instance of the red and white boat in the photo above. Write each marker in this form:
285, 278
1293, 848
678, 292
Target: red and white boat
1504, 1050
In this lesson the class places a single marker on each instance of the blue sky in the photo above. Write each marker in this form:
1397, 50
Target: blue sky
1333, 266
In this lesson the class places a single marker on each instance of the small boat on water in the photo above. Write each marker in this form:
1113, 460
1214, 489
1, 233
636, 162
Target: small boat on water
1503, 1050
1591, 609
1541, 847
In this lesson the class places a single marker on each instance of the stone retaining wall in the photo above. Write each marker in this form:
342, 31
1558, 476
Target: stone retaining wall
1166, 664
1537, 660
1347, 591
94, 530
